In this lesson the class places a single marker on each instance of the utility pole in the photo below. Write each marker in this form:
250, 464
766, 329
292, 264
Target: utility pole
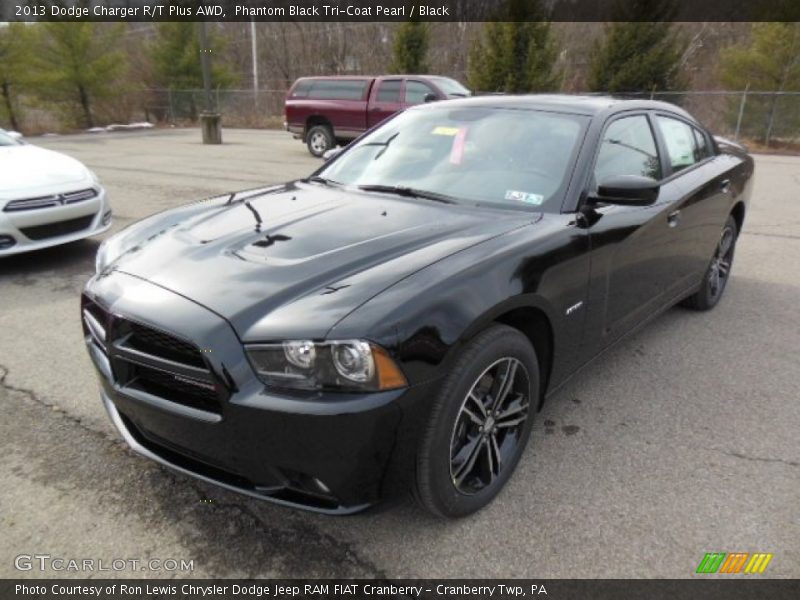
205, 63
254, 59
209, 118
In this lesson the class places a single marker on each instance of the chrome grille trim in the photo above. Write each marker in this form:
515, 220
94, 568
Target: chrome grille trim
33, 203
97, 331
51, 200
79, 196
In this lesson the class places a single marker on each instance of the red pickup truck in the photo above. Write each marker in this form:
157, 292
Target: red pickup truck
324, 111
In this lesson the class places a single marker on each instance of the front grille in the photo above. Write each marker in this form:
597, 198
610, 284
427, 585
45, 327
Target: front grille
43, 232
50, 201
33, 203
176, 388
149, 362
157, 343
79, 196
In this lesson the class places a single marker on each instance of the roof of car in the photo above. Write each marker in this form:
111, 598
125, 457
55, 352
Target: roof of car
581, 104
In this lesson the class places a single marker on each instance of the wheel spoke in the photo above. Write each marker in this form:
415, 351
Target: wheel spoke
472, 455
723, 268
478, 402
511, 422
496, 448
713, 280
506, 384
472, 416
490, 459
513, 409
725, 243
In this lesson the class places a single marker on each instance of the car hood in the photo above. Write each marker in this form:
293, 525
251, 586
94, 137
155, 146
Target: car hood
28, 168
293, 262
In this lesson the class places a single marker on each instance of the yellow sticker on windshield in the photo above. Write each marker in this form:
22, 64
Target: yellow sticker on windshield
442, 130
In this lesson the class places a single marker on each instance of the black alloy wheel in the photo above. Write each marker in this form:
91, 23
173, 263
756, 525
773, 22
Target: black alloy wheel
479, 424
487, 431
718, 272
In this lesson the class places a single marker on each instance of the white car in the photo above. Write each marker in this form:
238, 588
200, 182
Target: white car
46, 198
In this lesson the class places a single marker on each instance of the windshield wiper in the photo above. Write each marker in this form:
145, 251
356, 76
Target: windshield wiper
320, 179
402, 190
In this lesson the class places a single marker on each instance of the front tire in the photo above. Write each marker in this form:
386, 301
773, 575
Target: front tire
480, 424
719, 270
319, 139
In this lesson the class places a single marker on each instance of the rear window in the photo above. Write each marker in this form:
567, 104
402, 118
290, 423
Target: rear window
337, 89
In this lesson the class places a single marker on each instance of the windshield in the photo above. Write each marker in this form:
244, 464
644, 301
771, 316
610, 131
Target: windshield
488, 156
451, 87
7, 140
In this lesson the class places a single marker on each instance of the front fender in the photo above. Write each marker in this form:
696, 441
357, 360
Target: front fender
426, 318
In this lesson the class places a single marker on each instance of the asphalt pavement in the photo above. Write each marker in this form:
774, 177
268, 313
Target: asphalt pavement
680, 441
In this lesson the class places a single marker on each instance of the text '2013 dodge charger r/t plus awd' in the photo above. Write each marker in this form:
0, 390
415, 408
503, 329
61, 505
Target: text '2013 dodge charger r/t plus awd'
394, 321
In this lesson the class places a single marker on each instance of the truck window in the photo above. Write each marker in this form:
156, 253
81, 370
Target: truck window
337, 89
301, 89
416, 92
389, 91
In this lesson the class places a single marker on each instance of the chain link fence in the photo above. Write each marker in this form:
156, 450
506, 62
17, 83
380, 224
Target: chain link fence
763, 120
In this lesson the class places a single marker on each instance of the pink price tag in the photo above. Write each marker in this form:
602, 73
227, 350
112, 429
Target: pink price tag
457, 151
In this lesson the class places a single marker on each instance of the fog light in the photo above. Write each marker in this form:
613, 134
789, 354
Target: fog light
6, 241
107, 217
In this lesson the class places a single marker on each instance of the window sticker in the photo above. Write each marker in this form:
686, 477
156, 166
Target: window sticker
457, 150
442, 130
527, 198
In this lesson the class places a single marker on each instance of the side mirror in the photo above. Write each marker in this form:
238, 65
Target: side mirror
329, 154
430, 97
627, 190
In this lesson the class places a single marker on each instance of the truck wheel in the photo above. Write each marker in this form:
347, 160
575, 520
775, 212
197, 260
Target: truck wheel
319, 139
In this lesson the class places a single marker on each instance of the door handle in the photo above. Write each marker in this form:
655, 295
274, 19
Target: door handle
674, 218
725, 186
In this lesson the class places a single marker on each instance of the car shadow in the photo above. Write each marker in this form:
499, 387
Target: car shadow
74, 258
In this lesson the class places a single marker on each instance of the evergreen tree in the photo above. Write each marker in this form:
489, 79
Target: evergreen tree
175, 55
75, 64
411, 48
517, 55
640, 52
769, 63
13, 65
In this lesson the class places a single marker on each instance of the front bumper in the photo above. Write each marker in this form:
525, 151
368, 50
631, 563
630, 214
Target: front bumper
24, 231
333, 453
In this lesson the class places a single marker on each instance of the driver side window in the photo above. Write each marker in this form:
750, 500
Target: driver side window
628, 148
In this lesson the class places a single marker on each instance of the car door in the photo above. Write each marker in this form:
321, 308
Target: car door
385, 100
705, 186
633, 247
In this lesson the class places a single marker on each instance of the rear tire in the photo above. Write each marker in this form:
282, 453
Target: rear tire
483, 415
319, 139
718, 273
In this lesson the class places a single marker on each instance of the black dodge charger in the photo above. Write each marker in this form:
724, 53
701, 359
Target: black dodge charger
394, 321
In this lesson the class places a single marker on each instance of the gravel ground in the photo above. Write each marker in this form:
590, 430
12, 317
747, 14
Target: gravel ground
682, 440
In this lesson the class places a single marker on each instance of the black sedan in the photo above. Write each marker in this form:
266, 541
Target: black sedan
394, 321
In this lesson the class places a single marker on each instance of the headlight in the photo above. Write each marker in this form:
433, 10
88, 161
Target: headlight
101, 258
347, 365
